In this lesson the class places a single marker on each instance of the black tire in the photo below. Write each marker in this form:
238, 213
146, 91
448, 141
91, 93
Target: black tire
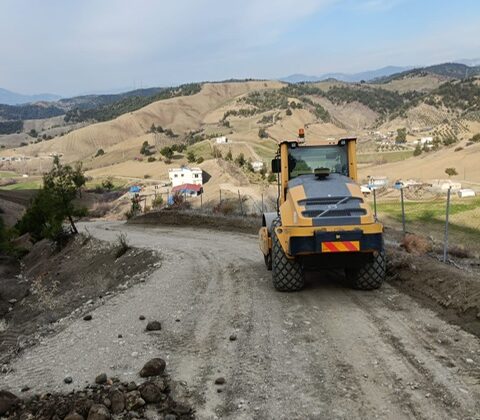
268, 261
371, 275
287, 275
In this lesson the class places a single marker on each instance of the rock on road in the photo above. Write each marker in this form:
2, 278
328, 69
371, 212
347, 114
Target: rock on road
325, 352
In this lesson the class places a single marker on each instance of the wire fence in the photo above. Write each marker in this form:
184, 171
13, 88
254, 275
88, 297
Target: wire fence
448, 218
224, 201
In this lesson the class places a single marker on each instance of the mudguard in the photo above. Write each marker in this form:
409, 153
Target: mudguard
268, 219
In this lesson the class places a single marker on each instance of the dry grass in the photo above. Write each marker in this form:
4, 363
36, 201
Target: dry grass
415, 244
122, 245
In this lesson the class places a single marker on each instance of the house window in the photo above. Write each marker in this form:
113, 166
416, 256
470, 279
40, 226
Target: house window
176, 175
182, 175
196, 176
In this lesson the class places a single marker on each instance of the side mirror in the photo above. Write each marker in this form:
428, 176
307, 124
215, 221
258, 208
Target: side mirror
276, 168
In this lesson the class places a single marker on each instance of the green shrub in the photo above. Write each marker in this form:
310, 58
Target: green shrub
262, 133
107, 184
157, 202
145, 149
240, 160
451, 171
54, 203
418, 150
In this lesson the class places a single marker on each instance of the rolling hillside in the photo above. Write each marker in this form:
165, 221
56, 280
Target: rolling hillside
432, 165
255, 115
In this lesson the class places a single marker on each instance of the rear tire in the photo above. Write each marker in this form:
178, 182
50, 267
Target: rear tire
371, 275
287, 275
268, 261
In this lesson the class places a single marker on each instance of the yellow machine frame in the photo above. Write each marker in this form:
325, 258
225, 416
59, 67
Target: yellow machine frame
294, 225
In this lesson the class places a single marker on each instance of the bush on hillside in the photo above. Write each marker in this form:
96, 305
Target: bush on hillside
167, 152
262, 133
451, 172
107, 184
54, 204
272, 178
157, 202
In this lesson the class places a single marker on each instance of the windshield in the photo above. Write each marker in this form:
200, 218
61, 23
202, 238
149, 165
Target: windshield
304, 160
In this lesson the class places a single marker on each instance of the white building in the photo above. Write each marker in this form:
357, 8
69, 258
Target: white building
442, 185
257, 165
466, 192
185, 175
221, 140
424, 140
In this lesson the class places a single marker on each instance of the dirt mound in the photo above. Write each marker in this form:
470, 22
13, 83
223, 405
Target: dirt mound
53, 284
200, 220
415, 244
453, 293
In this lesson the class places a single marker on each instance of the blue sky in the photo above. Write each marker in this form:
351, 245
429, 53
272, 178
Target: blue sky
69, 46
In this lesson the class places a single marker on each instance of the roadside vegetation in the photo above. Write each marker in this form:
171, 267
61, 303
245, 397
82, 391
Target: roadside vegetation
54, 204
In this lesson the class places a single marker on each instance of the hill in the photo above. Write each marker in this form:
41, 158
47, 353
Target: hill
8, 97
254, 116
432, 165
445, 70
346, 77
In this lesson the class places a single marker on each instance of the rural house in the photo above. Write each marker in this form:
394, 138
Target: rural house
185, 175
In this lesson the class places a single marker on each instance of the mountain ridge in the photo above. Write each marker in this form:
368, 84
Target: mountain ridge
8, 97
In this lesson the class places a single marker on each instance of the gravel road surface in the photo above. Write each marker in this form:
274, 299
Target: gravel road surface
326, 352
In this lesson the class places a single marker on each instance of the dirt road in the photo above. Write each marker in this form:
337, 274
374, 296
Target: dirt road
326, 352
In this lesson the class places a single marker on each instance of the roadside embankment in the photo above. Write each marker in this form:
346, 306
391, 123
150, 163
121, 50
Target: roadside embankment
54, 284
247, 224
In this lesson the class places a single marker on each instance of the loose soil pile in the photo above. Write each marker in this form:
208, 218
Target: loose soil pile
107, 397
451, 292
202, 220
55, 284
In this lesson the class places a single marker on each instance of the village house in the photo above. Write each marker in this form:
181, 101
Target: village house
185, 175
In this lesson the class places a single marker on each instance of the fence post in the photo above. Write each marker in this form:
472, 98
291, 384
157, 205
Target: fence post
447, 213
220, 195
403, 212
262, 204
241, 204
375, 202
201, 201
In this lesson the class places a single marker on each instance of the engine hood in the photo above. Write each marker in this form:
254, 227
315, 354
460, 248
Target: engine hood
333, 201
